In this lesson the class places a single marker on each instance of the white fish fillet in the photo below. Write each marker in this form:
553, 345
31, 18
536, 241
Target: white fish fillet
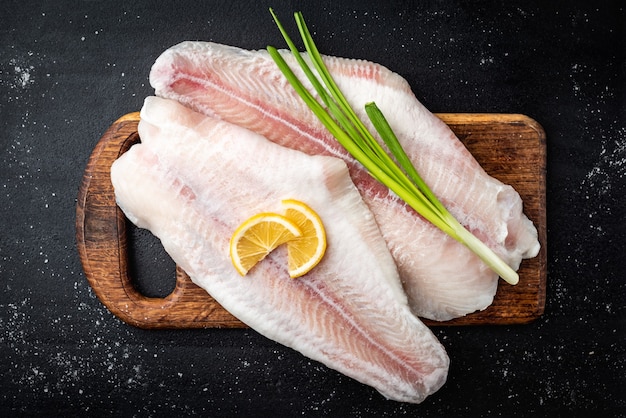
194, 179
442, 278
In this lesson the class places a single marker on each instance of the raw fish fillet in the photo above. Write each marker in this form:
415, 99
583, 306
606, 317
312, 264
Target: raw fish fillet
194, 179
442, 278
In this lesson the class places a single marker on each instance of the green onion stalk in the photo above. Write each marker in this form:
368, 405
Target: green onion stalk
396, 170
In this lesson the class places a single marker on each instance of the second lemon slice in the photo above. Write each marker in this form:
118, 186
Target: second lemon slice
307, 250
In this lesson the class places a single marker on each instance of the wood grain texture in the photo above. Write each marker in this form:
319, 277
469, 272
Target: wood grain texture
509, 147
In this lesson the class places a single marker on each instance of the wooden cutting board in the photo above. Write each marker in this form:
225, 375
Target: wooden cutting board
510, 147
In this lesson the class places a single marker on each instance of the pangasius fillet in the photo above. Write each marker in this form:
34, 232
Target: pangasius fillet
442, 278
193, 179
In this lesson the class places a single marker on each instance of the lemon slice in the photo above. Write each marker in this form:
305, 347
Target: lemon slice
258, 236
307, 250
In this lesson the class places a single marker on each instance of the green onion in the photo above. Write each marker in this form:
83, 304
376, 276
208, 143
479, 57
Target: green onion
402, 178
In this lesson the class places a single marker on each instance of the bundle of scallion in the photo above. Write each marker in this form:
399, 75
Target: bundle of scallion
400, 175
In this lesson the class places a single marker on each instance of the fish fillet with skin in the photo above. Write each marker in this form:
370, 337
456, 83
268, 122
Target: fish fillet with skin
193, 179
442, 278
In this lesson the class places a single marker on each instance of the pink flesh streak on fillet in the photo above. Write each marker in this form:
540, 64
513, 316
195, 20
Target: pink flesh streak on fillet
442, 278
193, 179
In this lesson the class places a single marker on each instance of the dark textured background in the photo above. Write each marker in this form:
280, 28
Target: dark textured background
68, 69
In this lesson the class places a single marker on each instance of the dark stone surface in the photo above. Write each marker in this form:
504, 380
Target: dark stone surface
68, 69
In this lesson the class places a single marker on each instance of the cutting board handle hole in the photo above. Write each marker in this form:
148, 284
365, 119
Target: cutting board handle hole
152, 271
